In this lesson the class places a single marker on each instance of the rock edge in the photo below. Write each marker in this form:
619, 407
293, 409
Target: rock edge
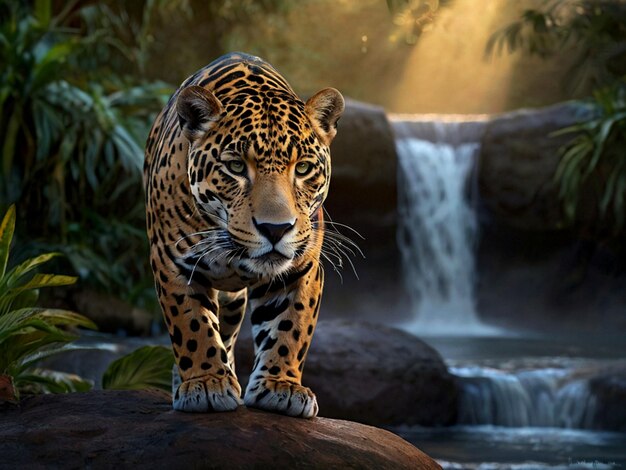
110, 429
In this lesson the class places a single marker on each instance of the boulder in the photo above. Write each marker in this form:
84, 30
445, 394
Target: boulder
359, 371
121, 429
373, 374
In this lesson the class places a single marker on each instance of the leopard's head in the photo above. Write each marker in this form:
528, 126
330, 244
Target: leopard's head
259, 167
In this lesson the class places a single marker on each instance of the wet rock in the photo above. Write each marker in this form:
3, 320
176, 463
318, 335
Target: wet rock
121, 429
550, 280
374, 374
609, 389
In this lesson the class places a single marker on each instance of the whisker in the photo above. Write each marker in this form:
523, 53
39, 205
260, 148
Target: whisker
223, 243
343, 241
194, 268
337, 224
337, 246
333, 265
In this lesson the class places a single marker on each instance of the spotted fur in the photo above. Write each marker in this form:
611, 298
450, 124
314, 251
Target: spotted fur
237, 168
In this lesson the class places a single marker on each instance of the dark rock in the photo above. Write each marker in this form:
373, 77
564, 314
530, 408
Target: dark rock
552, 274
373, 374
549, 280
115, 429
363, 372
450, 129
112, 314
518, 161
609, 389
363, 195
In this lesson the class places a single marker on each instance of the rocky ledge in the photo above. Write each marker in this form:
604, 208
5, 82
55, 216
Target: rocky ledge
373, 374
121, 429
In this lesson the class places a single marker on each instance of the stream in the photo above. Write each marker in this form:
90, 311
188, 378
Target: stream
524, 404
526, 400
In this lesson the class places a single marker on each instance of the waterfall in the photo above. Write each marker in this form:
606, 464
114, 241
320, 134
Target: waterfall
437, 227
543, 397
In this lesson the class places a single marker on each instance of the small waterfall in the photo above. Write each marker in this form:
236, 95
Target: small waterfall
437, 231
437, 228
543, 397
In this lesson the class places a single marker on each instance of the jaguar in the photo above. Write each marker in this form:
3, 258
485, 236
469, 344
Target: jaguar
237, 168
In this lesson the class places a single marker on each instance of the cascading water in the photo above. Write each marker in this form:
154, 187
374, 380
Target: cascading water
547, 397
437, 234
437, 225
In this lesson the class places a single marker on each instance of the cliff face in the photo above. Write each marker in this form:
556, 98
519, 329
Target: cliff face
534, 270
114, 429
518, 160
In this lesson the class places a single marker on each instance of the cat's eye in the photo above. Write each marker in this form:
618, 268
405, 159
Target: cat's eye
236, 167
303, 168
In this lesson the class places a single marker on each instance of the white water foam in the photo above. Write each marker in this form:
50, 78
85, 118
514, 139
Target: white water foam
537, 398
437, 235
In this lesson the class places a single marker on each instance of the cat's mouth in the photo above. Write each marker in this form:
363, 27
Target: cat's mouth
271, 263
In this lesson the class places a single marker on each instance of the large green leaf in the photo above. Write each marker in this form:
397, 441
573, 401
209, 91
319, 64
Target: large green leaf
49, 381
25, 340
31, 360
27, 266
146, 367
24, 320
43, 280
65, 318
25, 295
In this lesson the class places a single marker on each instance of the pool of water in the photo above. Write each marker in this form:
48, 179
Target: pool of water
495, 447
487, 446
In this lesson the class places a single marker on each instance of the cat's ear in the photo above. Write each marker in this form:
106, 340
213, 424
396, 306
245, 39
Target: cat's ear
324, 110
198, 111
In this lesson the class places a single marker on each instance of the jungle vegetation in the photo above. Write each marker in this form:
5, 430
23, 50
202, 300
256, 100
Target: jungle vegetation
82, 80
76, 102
593, 163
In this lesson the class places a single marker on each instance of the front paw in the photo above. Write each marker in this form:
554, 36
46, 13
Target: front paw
207, 393
281, 397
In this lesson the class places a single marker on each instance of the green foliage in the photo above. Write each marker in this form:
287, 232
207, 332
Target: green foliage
414, 16
29, 334
597, 154
594, 32
146, 367
204, 30
72, 128
591, 31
